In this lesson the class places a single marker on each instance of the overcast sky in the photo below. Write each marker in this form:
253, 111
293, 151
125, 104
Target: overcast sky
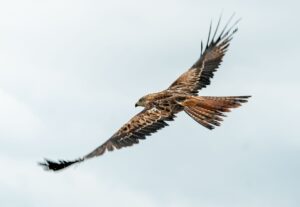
71, 72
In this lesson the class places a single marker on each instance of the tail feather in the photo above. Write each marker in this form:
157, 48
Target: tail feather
208, 110
199, 118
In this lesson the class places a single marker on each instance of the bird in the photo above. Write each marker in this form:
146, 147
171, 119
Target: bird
182, 95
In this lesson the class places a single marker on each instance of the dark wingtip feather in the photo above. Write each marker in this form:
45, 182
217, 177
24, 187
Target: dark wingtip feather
216, 30
201, 48
209, 33
55, 166
210, 127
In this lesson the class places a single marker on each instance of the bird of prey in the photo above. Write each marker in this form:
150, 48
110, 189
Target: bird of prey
181, 95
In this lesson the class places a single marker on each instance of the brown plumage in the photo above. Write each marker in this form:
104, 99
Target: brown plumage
180, 96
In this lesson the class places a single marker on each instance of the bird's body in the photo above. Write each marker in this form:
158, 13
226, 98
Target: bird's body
181, 95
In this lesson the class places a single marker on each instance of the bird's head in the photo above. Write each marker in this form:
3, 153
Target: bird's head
141, 102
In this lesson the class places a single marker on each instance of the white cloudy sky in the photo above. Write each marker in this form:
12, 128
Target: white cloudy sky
71, 71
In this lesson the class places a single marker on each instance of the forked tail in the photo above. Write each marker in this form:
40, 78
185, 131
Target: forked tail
208, 110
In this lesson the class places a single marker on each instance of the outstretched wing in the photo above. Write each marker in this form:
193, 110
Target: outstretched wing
141, 125
199, 75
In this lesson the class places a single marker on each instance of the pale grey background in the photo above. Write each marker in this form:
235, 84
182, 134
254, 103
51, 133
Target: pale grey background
71, 71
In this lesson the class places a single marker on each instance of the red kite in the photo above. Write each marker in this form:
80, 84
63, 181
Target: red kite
182, 95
